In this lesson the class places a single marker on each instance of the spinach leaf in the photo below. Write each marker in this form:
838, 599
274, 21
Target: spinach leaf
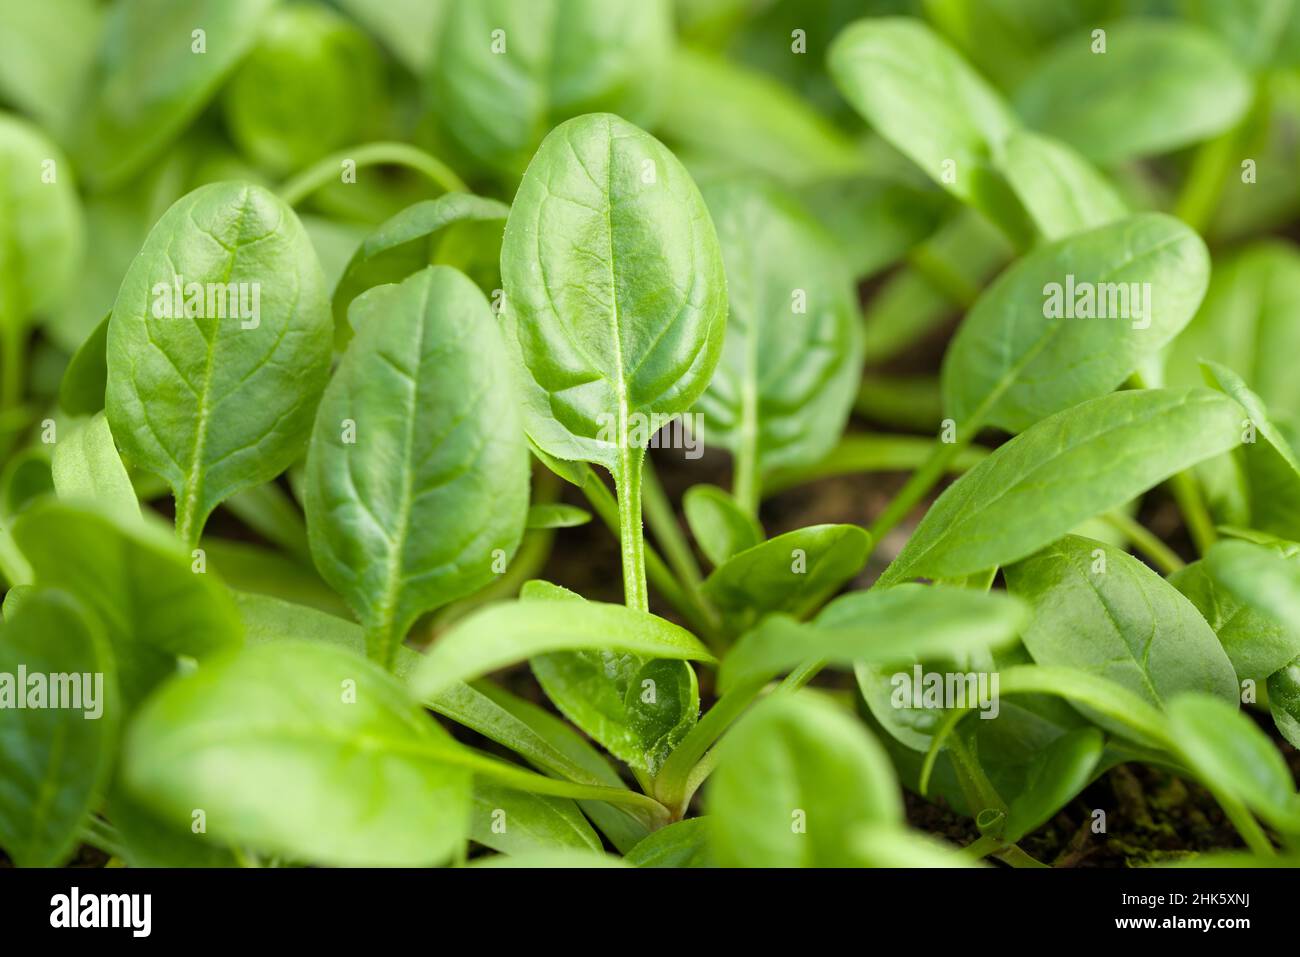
45, 51
40, 241
218, 347
137, 581
1089, 459
507, 632
303, 750
772, 801
725, 116
721, 527
516, 822
1250, 322
308, 87
921, 96
81, 391
879, 627
1159, 85
684, 844
1228, 752
150, 80
1060, 772
556, 515
56, 750
1101, 611
406, 27
86, 466
504, 73
1256, 643
1284, 701
1058, 188
1268, 584
617, 333
1271, 469
1023, 352
792, 573
456, 229
793, 354
417, 475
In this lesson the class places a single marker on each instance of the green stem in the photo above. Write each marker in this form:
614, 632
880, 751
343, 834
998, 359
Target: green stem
604, 505
631, 536
972, 776
1242, 820
673, 787
1164, 557
1202, 190
1013, 855
663, 522
381, 644
936, 464
745, 484
299, 187
189, 527
523, 780
943, 277
1187, 493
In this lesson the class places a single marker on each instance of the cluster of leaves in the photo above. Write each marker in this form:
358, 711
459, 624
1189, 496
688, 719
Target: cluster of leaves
372, 463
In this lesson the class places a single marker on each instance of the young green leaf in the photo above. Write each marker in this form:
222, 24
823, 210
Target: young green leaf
155, 71
56, 750
1268, 584
218, 348
1099, 610
1284, 701
1151, 87
1069, 467
792, 573
684, 844
456, 229
1060, 190
308, 87
556, 515
793, 354
516, 822
417, 475
505, 633
156, 602
920, 94
81, 392
86, 466
304, 750
615, 302
773, 800
1072, 320
1061, 771
1250, 322
725, 115
504, 73
881, 627
721, 527
1256, 643
40, 240
1271, 469
1227, 751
